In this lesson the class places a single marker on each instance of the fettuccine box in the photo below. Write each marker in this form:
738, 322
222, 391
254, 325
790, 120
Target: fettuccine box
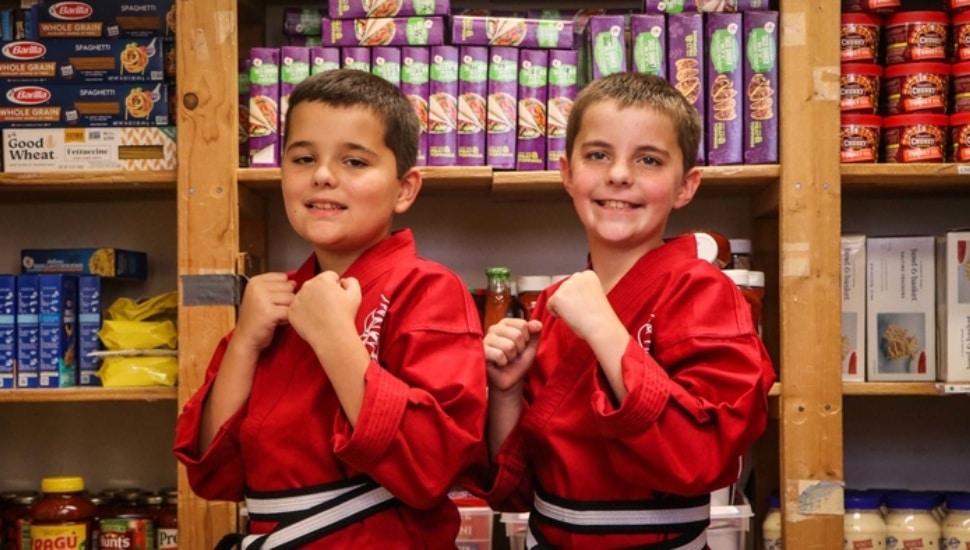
43, 105
900, 309
84, 149
83, 60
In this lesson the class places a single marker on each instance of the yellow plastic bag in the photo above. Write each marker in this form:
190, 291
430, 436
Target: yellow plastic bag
119, 335
141, 310
121, 371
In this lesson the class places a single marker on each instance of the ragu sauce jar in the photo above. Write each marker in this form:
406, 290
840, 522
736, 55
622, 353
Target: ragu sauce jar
915, 138
62, 518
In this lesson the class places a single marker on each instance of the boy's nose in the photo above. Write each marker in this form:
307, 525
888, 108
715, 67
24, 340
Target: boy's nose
619, 173
323, 176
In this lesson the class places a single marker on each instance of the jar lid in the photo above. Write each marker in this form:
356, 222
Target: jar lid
907, 69
532, 283
911, 501
498, 272
862, 500
739, 276
774, 501
859, 119
961, 17
862, 68
756, 278
706, 247
918, 16
958, 501
861, 18
63, 484
959, 119
740, 246
914, 119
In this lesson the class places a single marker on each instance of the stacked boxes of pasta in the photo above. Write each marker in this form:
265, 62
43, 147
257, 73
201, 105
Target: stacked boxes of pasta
87, 87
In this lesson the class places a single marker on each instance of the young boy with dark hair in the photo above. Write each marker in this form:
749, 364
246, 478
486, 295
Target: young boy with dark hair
351, 392
637, 385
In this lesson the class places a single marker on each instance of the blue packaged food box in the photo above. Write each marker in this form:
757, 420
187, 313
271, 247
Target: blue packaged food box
28, 330
8, 330
58, 331
106, 262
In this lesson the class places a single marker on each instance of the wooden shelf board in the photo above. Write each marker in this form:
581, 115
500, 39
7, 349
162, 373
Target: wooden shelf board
905, 178
35, 395
891, 389
86, 186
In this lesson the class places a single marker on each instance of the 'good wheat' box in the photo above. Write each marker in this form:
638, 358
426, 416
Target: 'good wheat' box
901, 306
853, 308
953, 306
83, 149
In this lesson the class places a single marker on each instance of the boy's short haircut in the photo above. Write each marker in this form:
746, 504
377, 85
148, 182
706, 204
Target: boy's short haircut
644, 91
355, 88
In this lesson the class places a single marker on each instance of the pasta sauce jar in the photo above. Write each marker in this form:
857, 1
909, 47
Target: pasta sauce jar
62, 518
910, 523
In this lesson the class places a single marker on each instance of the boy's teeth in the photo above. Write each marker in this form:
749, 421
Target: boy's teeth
616, 204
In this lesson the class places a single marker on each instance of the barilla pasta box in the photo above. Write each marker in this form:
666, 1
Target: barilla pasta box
443, 106
387, 8
900, 309
101, 18
28, 331
604, 45
472, 91
106, 262
685, 63
853, 288
42, 105
356, 57
725, 125
264, 107
58, 331
27, 150
953, 306
89, 316
8, 331
518, 32
416, 85
648, 44
294, 68
501, 121
301, 21
760, 87
384, 31
83, 60
530, 149
324, 59
386, 63
563, 87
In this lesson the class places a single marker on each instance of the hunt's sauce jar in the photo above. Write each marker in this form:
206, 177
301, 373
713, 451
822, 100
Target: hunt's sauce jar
129, 525
61, 519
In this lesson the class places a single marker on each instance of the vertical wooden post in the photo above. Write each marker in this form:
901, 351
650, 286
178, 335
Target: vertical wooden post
810, 225
208, 233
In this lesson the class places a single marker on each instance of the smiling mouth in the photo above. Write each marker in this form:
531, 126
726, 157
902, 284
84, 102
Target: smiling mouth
325, 206
616, 205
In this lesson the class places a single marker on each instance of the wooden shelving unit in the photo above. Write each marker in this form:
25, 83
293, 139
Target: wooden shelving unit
66, 395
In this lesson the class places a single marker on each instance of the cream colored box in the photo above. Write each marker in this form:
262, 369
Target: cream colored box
901, 309
86, 149
953, 306
853, 288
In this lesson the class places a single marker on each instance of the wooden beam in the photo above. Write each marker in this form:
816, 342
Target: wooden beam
208, 217
810, 225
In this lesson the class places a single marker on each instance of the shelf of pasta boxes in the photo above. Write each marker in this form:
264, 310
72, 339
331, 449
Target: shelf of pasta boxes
475, 532
728, 530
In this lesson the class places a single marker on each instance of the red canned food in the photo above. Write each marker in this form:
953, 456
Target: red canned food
859, 87
961, 36
917, 88
960, 137
961, 87
916, 36
860, 138
956, 5
860, 37
873, 6
915, 138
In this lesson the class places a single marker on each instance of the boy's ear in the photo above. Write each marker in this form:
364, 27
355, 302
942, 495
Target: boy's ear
688, 187
411, 183
565, 175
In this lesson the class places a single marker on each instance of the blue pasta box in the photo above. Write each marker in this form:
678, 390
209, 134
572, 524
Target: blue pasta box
8, 330
102, 18
58, 331
45, 105
106, 262
88, 325
28, 331
83, 60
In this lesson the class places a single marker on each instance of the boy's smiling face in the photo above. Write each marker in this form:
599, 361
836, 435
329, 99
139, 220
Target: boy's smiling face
340, 184
625, 175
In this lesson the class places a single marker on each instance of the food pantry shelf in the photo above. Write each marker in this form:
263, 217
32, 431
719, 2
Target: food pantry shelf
88, 394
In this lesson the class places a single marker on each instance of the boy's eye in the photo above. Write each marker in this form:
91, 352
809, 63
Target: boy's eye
302, 159
650, 161
596, 155
355, 163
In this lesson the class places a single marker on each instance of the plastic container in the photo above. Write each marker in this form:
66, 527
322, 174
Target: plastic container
859, 88
916, 36
915, 138
860, 37
475, 532
771, 526
910, 522
956, 523
960, 35
730, 525
860, 138
167, 523
516, 526
960, 99
863, 525
960, 137
917, 88
62, 518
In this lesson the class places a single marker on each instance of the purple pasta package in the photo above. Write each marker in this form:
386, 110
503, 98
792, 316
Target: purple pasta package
725, 126
324, 59
533, 82
443, 106
472, 91
685, 56
563, 87
501, 121
264, 107
648, 44
760, 86
386, 63
343, 9
294, 68
415, 83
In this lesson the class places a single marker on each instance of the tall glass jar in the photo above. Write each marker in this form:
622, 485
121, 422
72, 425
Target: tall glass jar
864, 526
62, 518
498, 298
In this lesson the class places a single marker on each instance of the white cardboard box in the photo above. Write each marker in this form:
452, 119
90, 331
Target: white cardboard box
853, 308
953, 306
81, 149
901, 309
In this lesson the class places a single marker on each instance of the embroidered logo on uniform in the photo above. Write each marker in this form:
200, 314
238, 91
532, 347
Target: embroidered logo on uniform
371, 337
645, 335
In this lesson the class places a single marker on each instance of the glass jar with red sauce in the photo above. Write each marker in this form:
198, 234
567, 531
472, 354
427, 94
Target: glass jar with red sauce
62, 518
